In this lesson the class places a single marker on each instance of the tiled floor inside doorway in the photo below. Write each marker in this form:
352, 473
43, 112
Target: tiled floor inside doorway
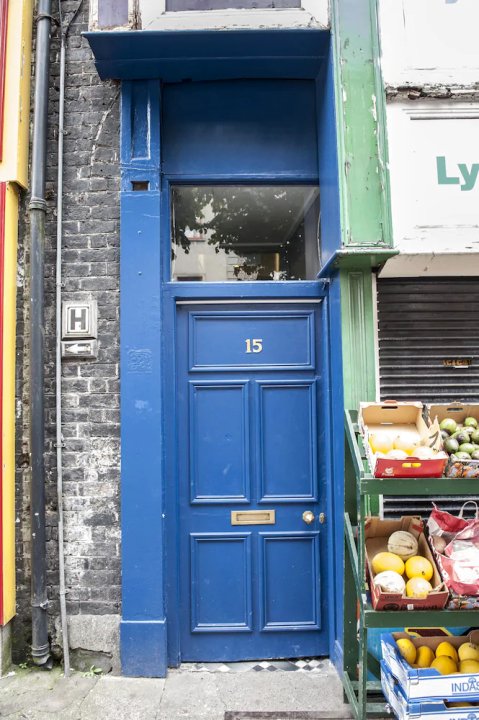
314, 665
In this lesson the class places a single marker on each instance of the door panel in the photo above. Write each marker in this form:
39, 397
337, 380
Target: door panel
221, 341
219, 442
287, 441
220, 564
289, 560
249, 418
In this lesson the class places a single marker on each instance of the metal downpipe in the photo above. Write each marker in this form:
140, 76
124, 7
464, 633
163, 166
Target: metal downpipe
37, 210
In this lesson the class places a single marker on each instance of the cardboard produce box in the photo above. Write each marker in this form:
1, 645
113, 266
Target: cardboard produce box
377, 533
431, 709
392, 419
455, 467
427, 683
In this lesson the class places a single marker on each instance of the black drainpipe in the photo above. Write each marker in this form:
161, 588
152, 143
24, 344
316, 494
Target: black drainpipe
40, 643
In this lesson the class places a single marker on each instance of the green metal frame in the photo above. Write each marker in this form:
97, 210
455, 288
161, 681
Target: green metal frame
359, 614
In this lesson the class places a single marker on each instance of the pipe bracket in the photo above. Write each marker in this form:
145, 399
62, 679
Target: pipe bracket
42, 605
43, 16
37, 203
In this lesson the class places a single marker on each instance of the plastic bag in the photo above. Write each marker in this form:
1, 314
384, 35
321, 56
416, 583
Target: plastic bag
458, 560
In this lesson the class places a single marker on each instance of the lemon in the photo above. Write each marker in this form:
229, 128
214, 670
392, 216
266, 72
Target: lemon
469, 666
418, 587
424, 656
387, 561
468, 651
418, 566
380, 442
446, 649
444, 665
407, 649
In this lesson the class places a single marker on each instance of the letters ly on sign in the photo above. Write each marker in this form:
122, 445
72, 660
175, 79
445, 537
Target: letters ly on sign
461, 174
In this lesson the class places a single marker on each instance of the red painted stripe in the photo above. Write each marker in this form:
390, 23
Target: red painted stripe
3, 62
3, 188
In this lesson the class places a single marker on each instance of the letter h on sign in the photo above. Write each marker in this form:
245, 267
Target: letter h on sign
79, 320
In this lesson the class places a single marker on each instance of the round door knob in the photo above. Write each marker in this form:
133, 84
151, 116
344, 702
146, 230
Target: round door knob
308, 517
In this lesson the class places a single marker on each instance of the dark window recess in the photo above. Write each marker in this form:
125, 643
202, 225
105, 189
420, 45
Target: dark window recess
175, 5
112, 13
428, 351
140, 185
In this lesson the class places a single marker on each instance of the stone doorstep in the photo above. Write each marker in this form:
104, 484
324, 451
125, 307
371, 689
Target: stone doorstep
287, 715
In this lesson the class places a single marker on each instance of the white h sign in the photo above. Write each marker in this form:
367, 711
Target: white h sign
79, 319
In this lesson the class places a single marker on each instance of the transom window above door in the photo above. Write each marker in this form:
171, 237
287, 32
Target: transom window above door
244, 232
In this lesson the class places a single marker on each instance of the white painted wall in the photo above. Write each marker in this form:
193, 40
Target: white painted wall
434, 174
313, 13
429, 41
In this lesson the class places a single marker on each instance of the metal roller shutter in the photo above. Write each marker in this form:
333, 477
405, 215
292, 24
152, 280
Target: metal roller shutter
422, 324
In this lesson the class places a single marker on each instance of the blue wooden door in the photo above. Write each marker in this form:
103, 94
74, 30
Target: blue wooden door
251, 452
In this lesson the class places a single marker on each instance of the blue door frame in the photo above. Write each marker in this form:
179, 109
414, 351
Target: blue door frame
149, 632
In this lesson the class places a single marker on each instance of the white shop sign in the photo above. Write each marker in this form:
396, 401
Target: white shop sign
429, 41
434, 172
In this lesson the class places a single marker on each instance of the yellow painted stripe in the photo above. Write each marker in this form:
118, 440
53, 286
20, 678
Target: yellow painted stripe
8, 409
14, 165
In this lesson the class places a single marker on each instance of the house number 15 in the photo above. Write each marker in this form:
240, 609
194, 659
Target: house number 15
254, 345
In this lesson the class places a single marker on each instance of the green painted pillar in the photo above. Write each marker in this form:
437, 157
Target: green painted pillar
364, 186
366, 234
361, 122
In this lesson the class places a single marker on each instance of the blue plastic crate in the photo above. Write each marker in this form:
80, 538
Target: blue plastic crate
426, 708
427, 683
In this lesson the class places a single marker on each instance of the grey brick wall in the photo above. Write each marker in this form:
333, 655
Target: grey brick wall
90, 388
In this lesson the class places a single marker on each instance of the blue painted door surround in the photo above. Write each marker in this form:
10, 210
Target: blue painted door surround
251, 439
152, 325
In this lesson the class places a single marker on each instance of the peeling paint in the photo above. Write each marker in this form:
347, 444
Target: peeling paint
433, 90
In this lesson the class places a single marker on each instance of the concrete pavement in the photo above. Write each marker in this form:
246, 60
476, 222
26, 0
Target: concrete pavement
186, 694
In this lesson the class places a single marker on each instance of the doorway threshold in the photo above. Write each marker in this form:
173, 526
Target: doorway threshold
311, 665
291, 715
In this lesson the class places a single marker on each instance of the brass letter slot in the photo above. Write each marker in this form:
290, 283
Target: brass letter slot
253, 517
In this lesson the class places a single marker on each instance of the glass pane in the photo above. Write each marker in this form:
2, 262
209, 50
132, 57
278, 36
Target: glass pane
245, 232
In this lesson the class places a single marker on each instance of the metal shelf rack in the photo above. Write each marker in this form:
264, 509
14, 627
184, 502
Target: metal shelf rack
365, 696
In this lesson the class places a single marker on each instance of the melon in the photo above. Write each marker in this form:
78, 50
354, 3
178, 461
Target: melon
402, 543
387, 561
390, 581
419, 566
418, 587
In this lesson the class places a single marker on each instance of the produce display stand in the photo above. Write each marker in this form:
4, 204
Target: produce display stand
364, 696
